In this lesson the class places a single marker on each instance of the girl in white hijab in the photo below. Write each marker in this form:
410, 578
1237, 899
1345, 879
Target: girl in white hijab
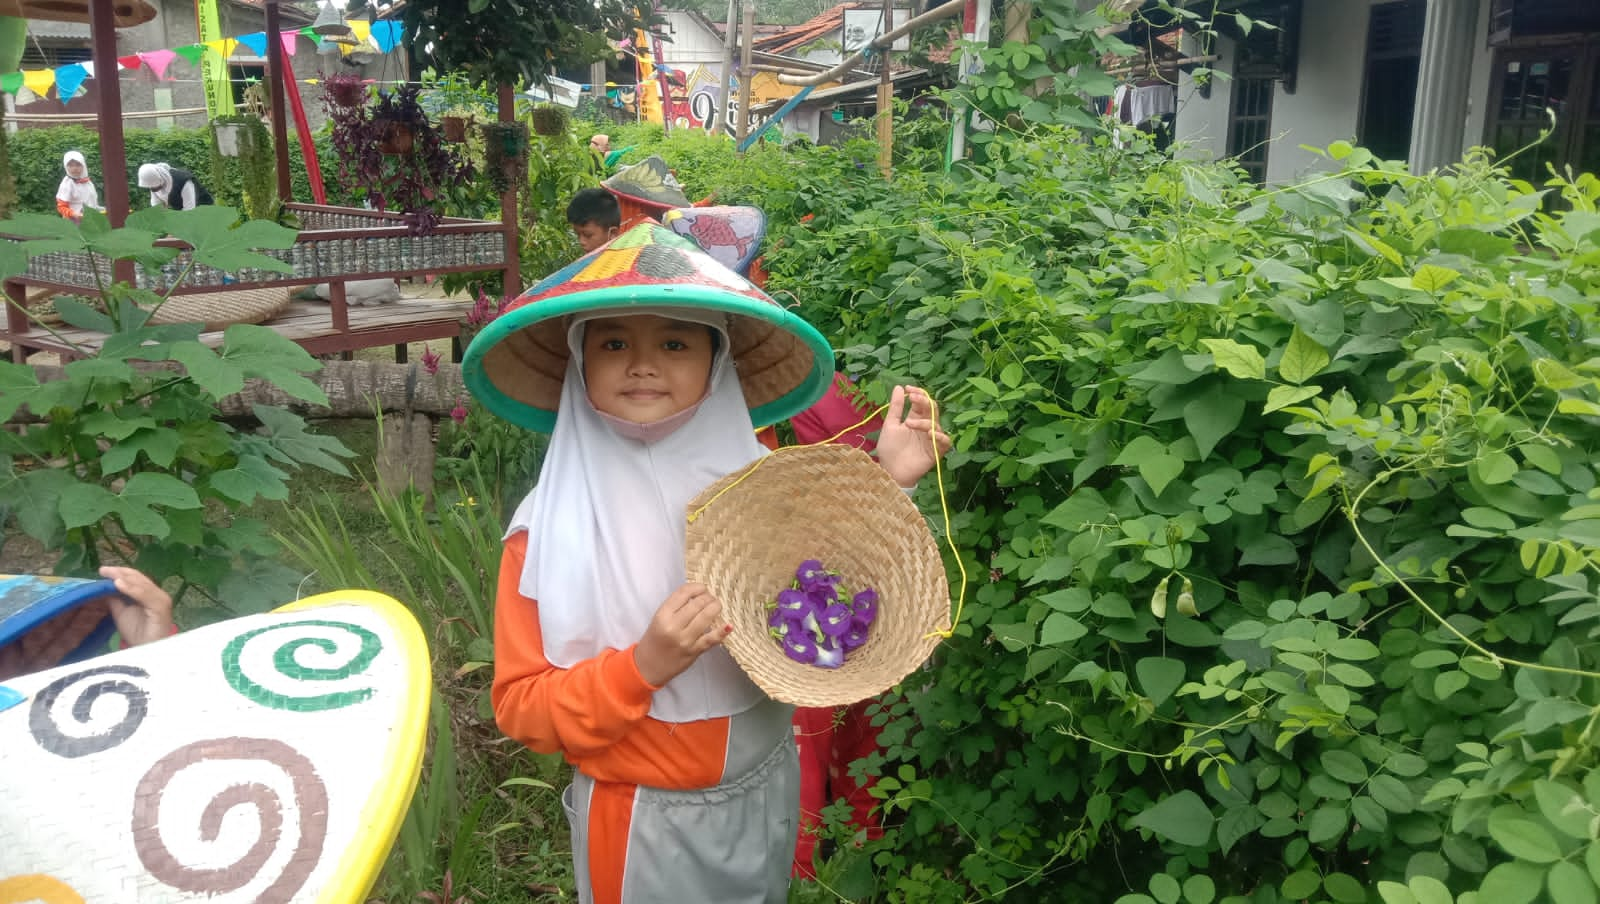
77, 190
650, 359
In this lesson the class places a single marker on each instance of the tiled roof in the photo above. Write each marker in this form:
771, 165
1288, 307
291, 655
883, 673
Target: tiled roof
815, 28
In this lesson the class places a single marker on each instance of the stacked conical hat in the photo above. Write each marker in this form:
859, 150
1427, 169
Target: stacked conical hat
515, 367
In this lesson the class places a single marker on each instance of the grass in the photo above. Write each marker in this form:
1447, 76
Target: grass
487, 811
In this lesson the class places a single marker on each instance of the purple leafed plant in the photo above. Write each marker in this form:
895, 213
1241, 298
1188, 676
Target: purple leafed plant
390, 151
817, 620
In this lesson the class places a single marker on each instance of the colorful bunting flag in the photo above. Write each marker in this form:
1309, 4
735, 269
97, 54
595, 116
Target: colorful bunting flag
385, 36
38, 80
256, 41
69, 79
192, 54
158, 61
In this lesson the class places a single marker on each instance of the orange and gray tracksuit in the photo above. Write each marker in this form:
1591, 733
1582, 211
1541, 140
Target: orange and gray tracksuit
702, 811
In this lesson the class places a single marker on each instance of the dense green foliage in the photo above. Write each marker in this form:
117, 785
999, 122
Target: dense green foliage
124, 455
36, 159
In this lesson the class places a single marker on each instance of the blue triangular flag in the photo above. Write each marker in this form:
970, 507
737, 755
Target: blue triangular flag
387, 34
68, 79
257, 42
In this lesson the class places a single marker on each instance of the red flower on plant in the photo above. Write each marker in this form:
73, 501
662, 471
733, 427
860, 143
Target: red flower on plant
459, 413
430, 361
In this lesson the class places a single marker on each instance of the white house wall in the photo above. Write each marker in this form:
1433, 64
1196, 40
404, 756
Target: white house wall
1326, 105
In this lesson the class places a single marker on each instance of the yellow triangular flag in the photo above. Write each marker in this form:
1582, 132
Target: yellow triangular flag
38, 80
223, 47
362, 30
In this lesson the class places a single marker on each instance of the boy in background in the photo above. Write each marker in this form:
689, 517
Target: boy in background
595, 216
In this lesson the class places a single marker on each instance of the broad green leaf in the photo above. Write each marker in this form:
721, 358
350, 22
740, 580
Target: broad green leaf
1433, 278
1369, 814
36, 496
151, 489
287, 433
1551, 711
1335, 697
1159, 676
1269, 549
1544, 458
82, 504
1563, 807
1210, 418
17, 382
215, 374
1577, 406
1512, 883
1344, 888
1199, 890
263, 353
252, 476
219, 243
1182, 818
1353, 648
1495, 467
84, 317
1488, 518
1521, 837
1394, 893
1165, 889
1569, 884
1478, 667
1327, 823
1235, 824
1302, 359
1284, 396
1059, 628
1084, 506
1445, 684
1155, 462
160, 446
141, 519
1242, 361
1344, 766
1392, 794
1301, 885
1429, 890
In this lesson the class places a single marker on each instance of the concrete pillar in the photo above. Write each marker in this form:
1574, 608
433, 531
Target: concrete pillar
1438, 126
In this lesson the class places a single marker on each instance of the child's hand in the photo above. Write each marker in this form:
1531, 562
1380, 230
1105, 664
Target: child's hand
904, 449
143, 612
689, 623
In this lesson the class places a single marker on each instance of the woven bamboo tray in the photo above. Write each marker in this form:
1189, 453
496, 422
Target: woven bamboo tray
749, 531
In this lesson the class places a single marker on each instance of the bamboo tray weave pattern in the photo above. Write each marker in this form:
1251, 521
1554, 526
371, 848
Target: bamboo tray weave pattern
220, 309
835, 504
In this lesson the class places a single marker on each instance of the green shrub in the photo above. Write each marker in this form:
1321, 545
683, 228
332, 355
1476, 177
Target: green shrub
36, 159
1280, 513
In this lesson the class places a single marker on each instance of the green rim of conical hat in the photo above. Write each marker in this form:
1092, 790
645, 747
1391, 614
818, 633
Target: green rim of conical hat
516, 365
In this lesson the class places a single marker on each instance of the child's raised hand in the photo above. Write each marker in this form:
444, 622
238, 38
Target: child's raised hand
904, 449
142, 611
688, 624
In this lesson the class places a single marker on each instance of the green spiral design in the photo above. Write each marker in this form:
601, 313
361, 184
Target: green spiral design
283, 660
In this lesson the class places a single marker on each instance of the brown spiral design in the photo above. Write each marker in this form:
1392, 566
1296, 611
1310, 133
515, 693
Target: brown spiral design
310, 808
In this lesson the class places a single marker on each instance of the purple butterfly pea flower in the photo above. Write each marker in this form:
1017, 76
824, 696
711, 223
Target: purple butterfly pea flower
795, 603
800, 647
835, 620
829, 657
865, 605
854, 638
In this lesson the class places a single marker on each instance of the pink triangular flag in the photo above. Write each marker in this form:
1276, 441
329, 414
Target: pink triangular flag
158, 61
288, 39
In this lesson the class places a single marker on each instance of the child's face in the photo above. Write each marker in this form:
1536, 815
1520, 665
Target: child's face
593, 235
645, 368
75, 170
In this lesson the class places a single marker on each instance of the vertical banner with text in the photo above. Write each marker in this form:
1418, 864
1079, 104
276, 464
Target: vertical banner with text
213, 69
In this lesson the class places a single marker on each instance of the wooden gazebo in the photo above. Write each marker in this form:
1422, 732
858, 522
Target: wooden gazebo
336, 244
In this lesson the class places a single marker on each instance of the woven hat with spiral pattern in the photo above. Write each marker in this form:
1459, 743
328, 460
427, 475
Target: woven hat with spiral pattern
516, 365
749, 531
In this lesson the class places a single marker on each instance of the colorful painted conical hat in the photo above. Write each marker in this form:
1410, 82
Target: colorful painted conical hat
649, 184
516, 365
732, 235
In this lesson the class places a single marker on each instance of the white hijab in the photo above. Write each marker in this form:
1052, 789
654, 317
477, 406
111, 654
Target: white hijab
606, 524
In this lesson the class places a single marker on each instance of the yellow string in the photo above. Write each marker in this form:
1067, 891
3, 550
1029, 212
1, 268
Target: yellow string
938, 472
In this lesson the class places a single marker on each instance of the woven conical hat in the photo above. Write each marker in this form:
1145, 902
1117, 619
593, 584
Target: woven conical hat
516, 365
748, 533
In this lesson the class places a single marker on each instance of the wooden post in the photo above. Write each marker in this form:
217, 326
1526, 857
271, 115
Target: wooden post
719, 121
113, 152
275, 77
886, 97
512, 283
747, 28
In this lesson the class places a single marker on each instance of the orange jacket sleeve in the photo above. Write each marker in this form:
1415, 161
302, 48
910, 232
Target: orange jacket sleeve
579, 710
65, 209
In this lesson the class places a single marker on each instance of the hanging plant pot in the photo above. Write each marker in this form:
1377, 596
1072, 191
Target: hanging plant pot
230, 135
505, 153
549, 119
454, 128
397, 138
345, 90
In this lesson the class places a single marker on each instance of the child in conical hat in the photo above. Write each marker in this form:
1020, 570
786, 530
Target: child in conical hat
650, 363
